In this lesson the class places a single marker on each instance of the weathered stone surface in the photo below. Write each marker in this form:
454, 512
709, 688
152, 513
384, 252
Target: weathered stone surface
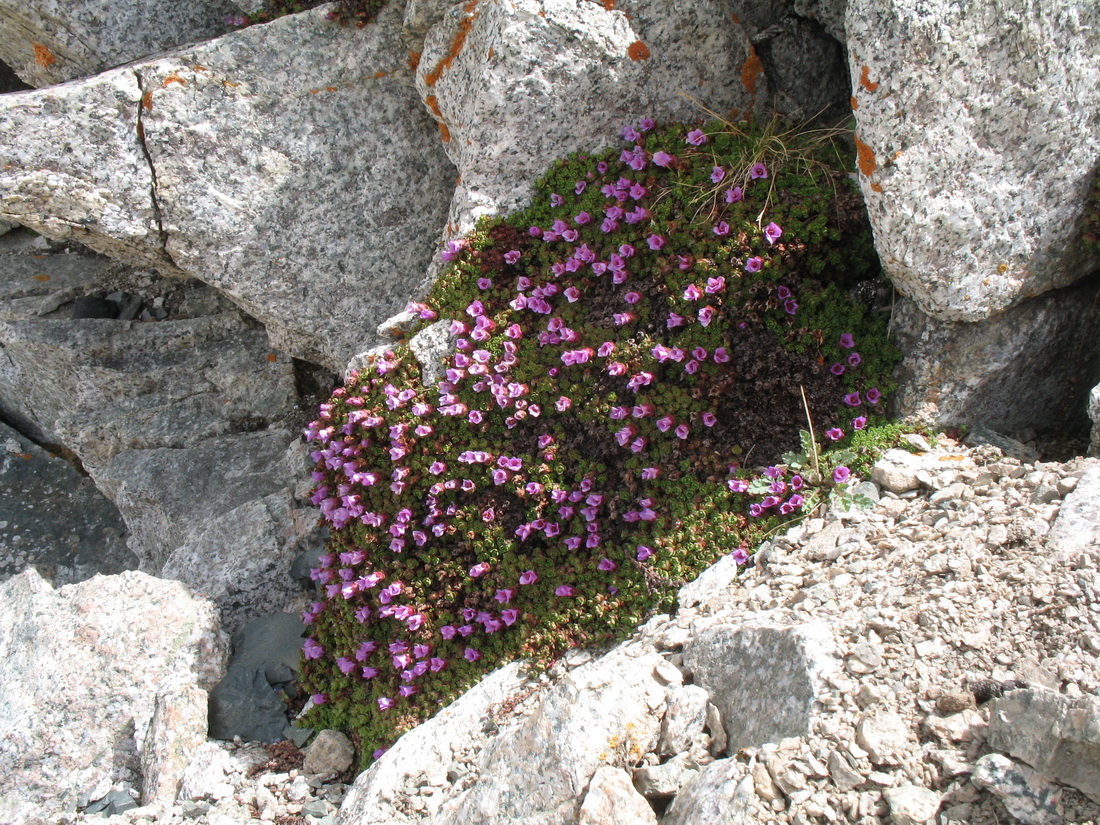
424, 755
50, 41
684, 720
612, 800
208, 162
999, 219
1054, 734
80, 670
663, 781
1076, 529
1094, 416
244, 704
911, 805
763, 678
1029, 366
1027, 795
516, 85
601, 713
54, 519
329, 754
183, 423
177, 729
722, 792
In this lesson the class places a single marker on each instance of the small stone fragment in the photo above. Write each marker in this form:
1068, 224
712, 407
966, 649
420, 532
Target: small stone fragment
954, 701
331, 753
911, 805
612, 800
884, 735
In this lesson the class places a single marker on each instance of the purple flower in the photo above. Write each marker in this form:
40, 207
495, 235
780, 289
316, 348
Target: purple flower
581, 218
717, 174
847, 341
796, 482
312, 650
791, 307
632, 297
696, 137
841, 474
318, 698
630, 133
854, 360
646, 124
556, 199
754, 264
655, 242
706, 315
859, 423
385, 703
509, 616
564, 590
662, 158
606, 565
644, 552
447, 631
721, 229
511, 256
345, 664
796, 501
835, 434
734, 195
721, 355
852, 399
528, 577
873, 396
837, 369
758, 170
650, 473
709, 419
740, 555
478, 569
772, 232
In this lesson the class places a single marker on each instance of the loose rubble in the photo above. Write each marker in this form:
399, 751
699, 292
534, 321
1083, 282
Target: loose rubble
946, 642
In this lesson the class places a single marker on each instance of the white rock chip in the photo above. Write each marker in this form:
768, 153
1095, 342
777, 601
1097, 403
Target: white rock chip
911, 805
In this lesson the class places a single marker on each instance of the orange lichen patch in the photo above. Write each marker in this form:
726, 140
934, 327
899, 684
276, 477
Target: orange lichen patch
855, 103
492, 52
232, 85
876, 187
43, 277
198, 67
865, 80
26, 456
1002, 269
735, 19
865, 156
272, 357
380, 75
456, 44
414, 60
174, 78
330, 88
43, 56
147, 101
433, 103
638, 50
751, 70
314, 91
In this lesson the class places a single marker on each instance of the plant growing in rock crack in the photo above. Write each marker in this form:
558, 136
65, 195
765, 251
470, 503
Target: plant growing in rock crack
624, 351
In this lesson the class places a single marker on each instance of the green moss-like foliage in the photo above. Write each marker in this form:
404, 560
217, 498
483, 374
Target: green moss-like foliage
624, 351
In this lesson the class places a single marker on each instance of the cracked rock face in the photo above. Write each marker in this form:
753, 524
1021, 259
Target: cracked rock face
231, 164
184, 423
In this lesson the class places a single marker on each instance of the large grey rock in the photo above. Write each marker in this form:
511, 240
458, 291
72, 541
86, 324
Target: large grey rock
1027, 795
684, 720
516, 85
602, 713
722, 792
1056, 735
244, 704
973, 208
1094, 415
1030, 366
209, 162
80, 672
765, 679
424, 755
53, 518
49, 41
183, 423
